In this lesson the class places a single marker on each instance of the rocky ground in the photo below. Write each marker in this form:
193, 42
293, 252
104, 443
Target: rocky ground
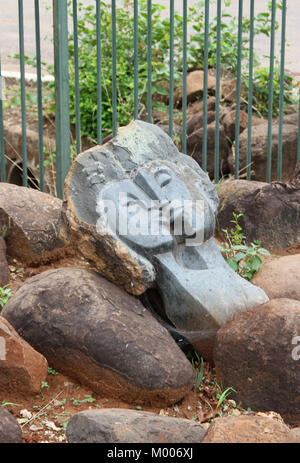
75, 347
43, 417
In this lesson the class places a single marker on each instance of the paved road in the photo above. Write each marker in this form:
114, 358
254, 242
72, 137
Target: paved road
9, 30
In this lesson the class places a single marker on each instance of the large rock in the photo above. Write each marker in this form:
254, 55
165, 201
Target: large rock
249, 429
259, 148
257, 354
32, 218
196, 122
197, 106
94, 332
229, 123
194, 149
195, 85
280, 277
144, 214
22, 369
271, 212
10, 430
13, 138
4, 271
116, 426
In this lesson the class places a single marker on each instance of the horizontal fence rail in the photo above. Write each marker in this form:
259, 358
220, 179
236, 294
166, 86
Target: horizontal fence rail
147, 63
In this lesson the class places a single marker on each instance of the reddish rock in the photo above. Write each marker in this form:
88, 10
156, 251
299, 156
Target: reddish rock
197, 106
194, 148
257, 353
259, 149
228, 90
22, 369
196, 121
280, 277
194, 83
32, 218
270, 211
4, 272
94, 332
249, 429
229, 122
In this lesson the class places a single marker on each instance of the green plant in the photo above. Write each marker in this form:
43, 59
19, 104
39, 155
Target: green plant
224, 395
78, 401
261, 90
229, 36
45, 385
51, 371
243, 259
5, 294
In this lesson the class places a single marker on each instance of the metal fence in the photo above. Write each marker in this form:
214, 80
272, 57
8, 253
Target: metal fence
61, 71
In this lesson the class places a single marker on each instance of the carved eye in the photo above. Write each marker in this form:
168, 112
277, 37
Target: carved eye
163, 178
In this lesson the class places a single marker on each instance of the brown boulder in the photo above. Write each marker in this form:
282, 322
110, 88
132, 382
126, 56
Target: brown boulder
280, 277
256, 353
96, 333
228, 91
4, 272
196, 121
259, 147
194, 84
270, 211
129, 426
256, 429
10, 430
22, 369
229, 122
32, 218
194, 148
197, 106
13, 136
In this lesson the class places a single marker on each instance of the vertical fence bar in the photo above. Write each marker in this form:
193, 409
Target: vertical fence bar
238, 90
114, 67
136, 59
61, 67
218, 70
2, 150
77, 91
184, 76
23, 91
250, 90
39, 92
205, 86
171, 79
281, 101
270, 106
298, 140
149, 60
99, 72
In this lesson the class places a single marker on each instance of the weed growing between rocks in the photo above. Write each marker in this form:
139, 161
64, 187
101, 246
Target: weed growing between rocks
243, 259
5, 294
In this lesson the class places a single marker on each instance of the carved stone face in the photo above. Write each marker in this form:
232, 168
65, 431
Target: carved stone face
155, 213
125, 203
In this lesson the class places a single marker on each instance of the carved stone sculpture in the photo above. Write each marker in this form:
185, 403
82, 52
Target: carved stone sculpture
144, 214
